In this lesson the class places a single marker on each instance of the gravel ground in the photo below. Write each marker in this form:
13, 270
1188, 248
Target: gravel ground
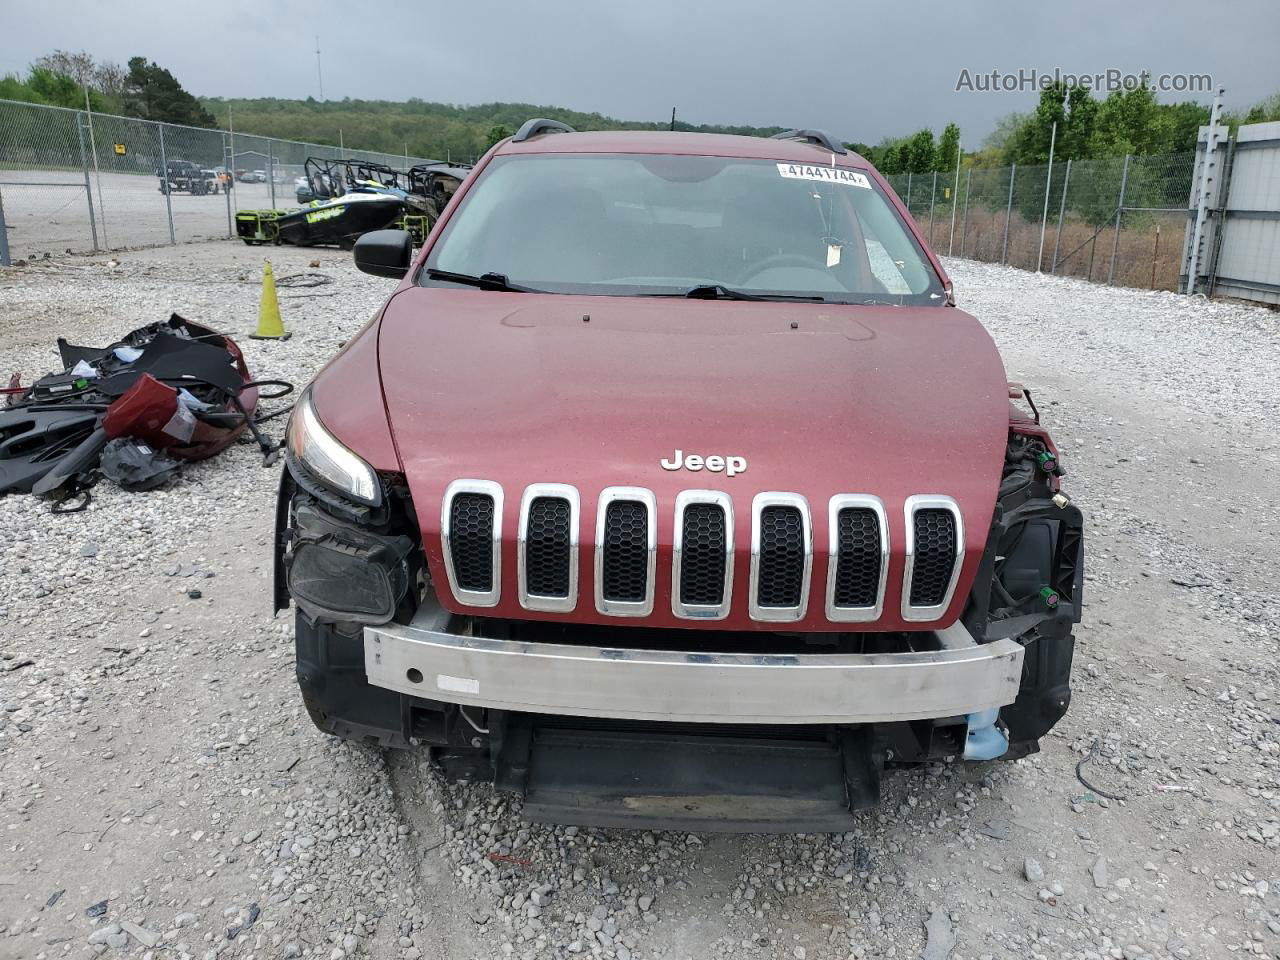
163, 794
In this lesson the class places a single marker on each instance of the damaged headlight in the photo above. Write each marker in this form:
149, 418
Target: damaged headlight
341, 571
320, 452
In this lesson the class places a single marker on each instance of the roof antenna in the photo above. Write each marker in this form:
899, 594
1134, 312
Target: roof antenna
673, 118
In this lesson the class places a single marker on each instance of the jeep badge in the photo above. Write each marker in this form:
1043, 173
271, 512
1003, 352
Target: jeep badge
714, 463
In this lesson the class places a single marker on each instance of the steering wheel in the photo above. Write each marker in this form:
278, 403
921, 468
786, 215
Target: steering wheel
777, 260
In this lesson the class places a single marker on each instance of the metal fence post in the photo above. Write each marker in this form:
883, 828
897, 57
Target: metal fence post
1115, 241
229, 163
908, 191
1201, 192
97, 172
1044, 213
1008, 213
88, 189
271, 172
933, 195
964, 223
955, 198
1062, 210
164, 182
4, 238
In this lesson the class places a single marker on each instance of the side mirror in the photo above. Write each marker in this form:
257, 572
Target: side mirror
385, 253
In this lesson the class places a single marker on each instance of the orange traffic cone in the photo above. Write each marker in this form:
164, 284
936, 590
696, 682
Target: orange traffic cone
270, 326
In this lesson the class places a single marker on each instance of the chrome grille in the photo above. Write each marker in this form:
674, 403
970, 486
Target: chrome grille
471, 530
547, 561
702, 555
935, 550
859, 555
781, 556
626, 551
703, 550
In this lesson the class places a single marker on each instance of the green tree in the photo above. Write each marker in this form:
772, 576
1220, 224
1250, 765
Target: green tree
499, 131
1180, 126
948, 148
891, 157
51, 88
153, 93
918, 152
1127, 123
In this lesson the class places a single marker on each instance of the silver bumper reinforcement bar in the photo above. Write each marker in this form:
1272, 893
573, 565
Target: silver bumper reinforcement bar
424, 660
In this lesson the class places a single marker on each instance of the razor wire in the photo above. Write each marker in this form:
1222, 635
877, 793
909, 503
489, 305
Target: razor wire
72, 181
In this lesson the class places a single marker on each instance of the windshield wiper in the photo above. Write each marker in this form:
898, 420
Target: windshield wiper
486, 281
718, 291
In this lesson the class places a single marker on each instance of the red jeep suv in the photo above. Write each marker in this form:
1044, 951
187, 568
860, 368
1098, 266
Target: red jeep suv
671, 488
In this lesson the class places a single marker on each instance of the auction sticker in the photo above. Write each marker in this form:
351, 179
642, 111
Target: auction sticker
805, 171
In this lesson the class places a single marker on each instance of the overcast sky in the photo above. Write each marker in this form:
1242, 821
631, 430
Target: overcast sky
862, 70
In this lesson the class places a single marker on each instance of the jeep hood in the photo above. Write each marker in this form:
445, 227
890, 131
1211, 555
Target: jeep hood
595, 391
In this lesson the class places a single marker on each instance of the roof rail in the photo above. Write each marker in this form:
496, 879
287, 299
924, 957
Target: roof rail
817, 137
532, 128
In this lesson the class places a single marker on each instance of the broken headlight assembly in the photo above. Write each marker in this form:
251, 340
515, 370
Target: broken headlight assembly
326, 459
343, 554
343, 572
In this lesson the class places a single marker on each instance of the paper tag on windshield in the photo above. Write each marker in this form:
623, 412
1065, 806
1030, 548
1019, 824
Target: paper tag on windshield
833, 254
805, 171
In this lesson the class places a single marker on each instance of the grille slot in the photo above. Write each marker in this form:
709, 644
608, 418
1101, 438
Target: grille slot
702, 562
547, 555
625, 549
471, 538
859, 551
857, 557
935, 539
547, 547
471, 521
781, 547
702, 555
626, 541
934, 547
781, 557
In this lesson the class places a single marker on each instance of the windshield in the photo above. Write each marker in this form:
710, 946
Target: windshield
627, 225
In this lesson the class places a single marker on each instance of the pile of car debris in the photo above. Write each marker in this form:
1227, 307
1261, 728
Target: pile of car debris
132, 412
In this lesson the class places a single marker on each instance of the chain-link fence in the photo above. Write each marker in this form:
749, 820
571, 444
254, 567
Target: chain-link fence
72, 181
1115, 220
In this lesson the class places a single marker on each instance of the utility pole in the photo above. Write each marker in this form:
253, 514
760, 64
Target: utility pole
673, 119
319, 74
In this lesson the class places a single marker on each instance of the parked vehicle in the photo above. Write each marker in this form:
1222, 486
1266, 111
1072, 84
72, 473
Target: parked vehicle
671, 488
183, 176
338, 221
437, 183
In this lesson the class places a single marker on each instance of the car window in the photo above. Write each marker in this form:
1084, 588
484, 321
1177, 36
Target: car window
652, 224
